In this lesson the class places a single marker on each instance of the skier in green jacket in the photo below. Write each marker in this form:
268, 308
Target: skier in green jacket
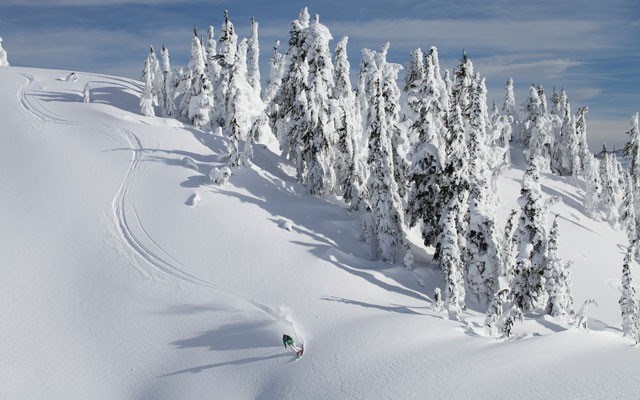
288, 341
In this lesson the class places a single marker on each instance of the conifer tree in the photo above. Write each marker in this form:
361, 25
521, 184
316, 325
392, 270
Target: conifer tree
253, 59
581, 134
628, 302
349, 167
413, 82
292, 117
451, 259
628, 214
531, 242
168, 87
510, 111
483, 246
319, 140
612, 192
86, 93
462, 90
4, 61
384, 226
238, 110
493, 320
274, 79
399, 140
194, 72
567, 155
509, 250
632, 153
226, 56
557, 278
425, 174
590, 171
148, 99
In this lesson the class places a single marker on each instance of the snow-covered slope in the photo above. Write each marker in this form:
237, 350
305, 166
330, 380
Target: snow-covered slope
126, 274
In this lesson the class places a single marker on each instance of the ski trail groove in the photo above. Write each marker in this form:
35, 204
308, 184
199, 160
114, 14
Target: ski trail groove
154, 254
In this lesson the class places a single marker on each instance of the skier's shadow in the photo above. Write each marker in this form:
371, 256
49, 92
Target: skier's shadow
196, 370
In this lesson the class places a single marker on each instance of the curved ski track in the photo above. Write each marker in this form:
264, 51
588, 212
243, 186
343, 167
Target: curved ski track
129, 224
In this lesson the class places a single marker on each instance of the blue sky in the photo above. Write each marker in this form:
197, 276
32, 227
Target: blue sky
592, 48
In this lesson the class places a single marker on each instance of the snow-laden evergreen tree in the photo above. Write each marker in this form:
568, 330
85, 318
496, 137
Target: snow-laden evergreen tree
612, 191
432, 62
425, 174
454, 185
253, 59
462, 90
168, 90
557, 278
493, 320
451, 260
157, 77
437, 305
509, 251
86, 93
211, 50
292, 118
628, 213
319, 141
454, 192
531, 240
399, 139
628, 302
226, 56
632, 153
483, 244
384, 224
413, 81
350, 165
194, 72
274, 79
200, 95
510, 111
148, 99
538, 128
566, 160
4, 61
581, 134
238, 111
593, 188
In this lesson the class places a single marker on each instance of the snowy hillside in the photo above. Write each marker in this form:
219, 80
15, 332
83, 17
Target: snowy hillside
127, 274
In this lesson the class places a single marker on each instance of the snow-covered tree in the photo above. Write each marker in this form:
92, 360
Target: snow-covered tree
451, 259
510, 111
425, 174
86, 93
531, 240
226, 56
168, 89
4, 61
612, 188
253, 59
384, 224
462, 90
194, 72
632, 153
566, 160
509, 251
292, 118
557, 278
350, 165
628, 213
493, 320
581, 134
628, 302
319, 140
590, 171
413, 81
274, 79
483, 244
399, 140
437, 305
148, 99
238, 111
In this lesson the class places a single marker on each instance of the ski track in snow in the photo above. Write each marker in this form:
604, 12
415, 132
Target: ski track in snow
135, 235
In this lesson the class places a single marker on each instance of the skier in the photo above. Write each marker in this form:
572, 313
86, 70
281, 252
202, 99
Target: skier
288, 340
